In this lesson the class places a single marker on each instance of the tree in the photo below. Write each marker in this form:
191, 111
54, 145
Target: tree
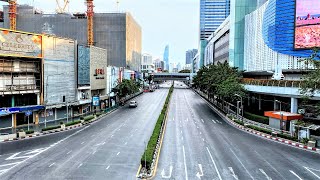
311, 82
126, 87
219, 80
184, 71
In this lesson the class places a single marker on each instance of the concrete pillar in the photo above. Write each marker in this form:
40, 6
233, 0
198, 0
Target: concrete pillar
14, 120
294, 105
12, 101
55, 113
259, 102
38, 99
274, 104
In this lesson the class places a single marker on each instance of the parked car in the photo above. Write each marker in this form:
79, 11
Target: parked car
133, 104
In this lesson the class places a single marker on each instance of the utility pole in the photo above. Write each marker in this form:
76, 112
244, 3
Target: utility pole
241, 106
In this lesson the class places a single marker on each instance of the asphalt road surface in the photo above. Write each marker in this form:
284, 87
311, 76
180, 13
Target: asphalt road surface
198, 144
108, 149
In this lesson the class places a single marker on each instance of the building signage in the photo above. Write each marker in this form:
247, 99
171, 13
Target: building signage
95, 101
307, 24
99, 73
20, 44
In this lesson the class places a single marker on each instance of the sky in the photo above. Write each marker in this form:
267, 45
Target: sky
305, 7
173, 22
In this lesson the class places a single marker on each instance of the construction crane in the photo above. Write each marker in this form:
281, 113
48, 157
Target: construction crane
90, 14
12, 13
62, 8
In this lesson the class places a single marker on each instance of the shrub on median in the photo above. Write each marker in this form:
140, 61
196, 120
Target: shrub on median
30, 132
239, 122
73, 123
88, 118
51, 128
285, 136
257, 118
267, 131
147, 157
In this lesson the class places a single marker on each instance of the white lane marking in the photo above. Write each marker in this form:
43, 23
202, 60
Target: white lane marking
103, 143
233, 174
93, 135
203, 139
51, 164
219, 122
125, 143
265, 174
119, 129
197, 127
214, 121
82, 142
136, 129
200, 133
182, 137
118, 153
9, 164
4, 171
185, 164
187, 119
112, 135
94, 152
312, 172
181, 131
199, 174
202, 120
131, 135
69, 152
172, 119
107, 167
270, 165
79, 165
295, 175
241, 163
163, 173
214, 163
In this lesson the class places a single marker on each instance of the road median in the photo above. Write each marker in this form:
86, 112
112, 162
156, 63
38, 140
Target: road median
149, 159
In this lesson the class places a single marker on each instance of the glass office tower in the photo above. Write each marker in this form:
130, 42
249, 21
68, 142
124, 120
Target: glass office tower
212, 14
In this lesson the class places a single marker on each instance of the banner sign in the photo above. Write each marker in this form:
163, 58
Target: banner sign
20, 44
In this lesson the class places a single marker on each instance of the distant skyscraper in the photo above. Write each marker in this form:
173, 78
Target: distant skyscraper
212, 14
166, 57
190, 54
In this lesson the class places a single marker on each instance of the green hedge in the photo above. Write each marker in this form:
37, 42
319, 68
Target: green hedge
267, 131
30, 132
147, 157
51, 128
73, 123
88, 118
257, 118
287, 137
239, 122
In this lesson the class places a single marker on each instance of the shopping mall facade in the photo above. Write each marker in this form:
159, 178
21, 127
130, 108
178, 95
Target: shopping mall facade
265, 43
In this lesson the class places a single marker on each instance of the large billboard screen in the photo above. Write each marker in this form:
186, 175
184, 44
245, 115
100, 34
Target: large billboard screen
307, 24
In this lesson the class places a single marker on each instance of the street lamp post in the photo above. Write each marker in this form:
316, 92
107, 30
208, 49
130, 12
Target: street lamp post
281, 114
241, 106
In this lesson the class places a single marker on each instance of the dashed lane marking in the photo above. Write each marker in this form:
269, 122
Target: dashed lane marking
69, 152
202, 120
51, 164
241, 163
312, 172
118, 153
265, 174
82, 143
79, 165
214, 163
107, 167
125, 143
214, 121
296, 175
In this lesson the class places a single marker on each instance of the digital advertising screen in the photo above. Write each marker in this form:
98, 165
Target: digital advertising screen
307, 24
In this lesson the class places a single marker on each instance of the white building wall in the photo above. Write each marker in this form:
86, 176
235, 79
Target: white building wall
257, 55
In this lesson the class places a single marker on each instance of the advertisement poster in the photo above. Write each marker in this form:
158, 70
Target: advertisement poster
95, 101
307, 24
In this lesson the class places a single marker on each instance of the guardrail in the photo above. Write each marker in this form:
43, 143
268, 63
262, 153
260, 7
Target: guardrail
276, 83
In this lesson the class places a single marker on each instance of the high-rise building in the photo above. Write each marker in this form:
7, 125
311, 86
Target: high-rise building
159, 65
190, 54
212, 14
238, 10
166, 57
119, 33
147, 65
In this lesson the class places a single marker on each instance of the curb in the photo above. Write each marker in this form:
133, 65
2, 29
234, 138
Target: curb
263, 135
56, 130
